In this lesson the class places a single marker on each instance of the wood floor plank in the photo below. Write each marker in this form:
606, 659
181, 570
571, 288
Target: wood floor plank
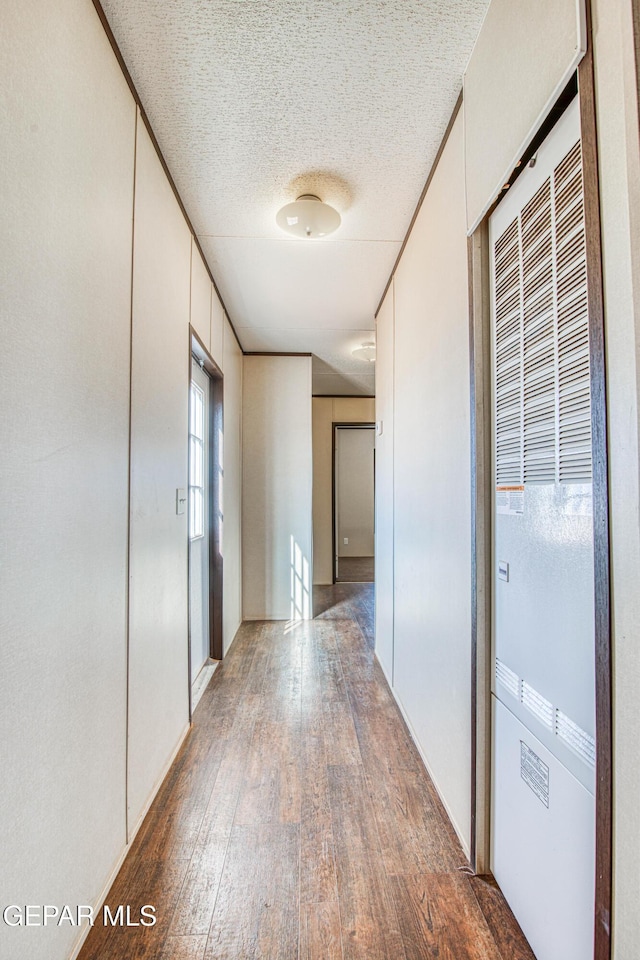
354, 824
298, 821
158, 884
183, 948
369, 922
439, 917
503, 925
257, 911
323, 677
177, 822
271, 790
317, 860
196, 903
340, 733
375, 726
317, 864
413, 836
320, 932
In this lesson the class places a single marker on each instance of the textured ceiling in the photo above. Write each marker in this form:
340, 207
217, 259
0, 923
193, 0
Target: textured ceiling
254, 102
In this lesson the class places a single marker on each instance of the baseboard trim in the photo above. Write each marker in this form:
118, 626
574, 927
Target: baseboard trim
452, 820
158, 783
102, 896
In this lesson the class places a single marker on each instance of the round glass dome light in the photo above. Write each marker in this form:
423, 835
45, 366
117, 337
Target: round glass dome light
308, 218
366, 352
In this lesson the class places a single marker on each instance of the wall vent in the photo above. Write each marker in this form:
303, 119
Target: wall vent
509, 680
537, 704
543, 415
576, 738
566, 729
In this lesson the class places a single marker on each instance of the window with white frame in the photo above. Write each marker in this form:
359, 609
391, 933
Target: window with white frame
196, 462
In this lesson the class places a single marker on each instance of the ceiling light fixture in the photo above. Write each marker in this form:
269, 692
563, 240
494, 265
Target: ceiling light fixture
366, 352
308, 217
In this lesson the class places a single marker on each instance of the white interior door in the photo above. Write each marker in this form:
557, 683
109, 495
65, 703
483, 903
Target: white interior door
199, 578
354, 492
543, 689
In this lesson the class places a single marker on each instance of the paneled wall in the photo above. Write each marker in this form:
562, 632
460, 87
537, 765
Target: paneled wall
202, 294
94, 683
158, 596
67, 143
384, 542
424, 329
327, 411
277, 488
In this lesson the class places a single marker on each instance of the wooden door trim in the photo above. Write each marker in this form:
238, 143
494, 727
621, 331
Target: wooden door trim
198, 350
481, 526
602, 580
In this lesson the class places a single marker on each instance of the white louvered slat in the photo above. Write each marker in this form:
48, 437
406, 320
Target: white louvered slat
508, 356
543, 425
509, 680
574, 390
576, 738
539, 340
537, 704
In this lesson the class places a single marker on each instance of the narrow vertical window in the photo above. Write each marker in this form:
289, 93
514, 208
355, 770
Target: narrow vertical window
196, 462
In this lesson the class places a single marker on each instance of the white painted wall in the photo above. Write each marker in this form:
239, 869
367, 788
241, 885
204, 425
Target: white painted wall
326, 411
67, 129
384, 546
619, 158
218, 325
354, 492
277, 488
200, 298
232, 482
523, 58
431, 503
68, 149
158, 596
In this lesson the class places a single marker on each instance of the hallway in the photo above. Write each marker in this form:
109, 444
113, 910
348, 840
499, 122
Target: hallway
298, 820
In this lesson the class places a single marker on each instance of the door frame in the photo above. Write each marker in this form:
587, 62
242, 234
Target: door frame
482, 506
199, 352
335, 426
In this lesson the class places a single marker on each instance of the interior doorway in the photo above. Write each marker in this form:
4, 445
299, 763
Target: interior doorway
199, 519
353, 502
205, 506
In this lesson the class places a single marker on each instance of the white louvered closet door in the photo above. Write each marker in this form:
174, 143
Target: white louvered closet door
543, 782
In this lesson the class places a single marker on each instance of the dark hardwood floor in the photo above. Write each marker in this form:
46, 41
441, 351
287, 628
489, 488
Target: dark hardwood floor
298, 821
